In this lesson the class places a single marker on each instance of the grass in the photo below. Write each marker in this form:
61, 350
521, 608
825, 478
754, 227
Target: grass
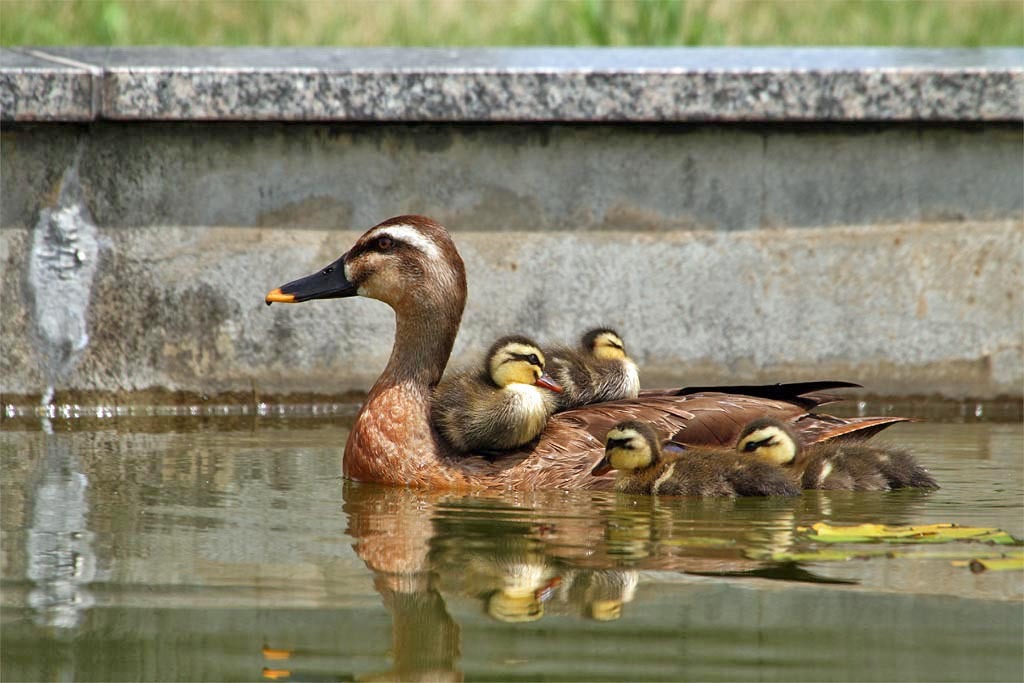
926, 23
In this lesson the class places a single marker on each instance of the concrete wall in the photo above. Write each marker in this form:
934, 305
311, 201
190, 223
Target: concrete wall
135, 255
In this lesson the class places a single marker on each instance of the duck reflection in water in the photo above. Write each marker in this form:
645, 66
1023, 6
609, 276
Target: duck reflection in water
523, 557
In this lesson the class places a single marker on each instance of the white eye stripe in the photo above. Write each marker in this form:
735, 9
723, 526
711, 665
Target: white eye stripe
411, 236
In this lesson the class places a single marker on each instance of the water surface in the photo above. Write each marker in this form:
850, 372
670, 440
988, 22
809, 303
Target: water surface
203, 549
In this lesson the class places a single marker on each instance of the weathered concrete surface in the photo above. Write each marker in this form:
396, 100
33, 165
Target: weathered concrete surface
517, 84
519, 177
891, 256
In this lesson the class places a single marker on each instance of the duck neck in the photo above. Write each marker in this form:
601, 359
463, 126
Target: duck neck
392, 440
423, 344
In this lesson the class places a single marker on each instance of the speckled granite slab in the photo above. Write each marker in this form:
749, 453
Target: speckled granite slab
513, 84
34, 88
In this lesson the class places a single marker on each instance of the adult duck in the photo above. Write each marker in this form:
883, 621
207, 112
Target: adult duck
411, 264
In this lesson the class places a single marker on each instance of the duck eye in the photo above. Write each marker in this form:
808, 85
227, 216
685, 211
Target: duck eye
384, 243
533, 359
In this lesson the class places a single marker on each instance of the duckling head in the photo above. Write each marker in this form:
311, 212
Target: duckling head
629, 446
770, 440
518, 360
604, 344
605, 610
514, 607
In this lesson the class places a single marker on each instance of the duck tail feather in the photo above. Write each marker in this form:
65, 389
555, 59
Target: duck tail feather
807, 395
816, 427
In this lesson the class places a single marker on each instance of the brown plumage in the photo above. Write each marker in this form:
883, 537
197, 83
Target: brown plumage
411, 264
847, 465
505, 404
635, 451
598, 370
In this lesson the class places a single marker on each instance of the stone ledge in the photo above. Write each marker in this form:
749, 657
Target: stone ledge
512, 84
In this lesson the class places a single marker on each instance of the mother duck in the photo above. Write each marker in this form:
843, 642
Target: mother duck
411, 264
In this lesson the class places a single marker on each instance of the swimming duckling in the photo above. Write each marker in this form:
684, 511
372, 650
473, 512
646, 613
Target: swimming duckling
635, 451
599, 594
599, 370
846, 465
503, 406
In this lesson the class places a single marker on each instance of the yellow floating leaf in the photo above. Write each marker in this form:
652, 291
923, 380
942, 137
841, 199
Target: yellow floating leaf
923, 533
999, 564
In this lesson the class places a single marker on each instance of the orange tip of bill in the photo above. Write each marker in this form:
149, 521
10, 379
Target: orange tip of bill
280, 297
273, 653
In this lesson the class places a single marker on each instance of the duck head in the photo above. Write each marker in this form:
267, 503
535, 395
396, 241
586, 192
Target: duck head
408, 262
604, 343
770, 440
518, 360
629, 446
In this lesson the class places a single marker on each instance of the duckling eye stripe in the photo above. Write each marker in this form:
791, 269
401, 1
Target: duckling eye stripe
407, 234
522, 357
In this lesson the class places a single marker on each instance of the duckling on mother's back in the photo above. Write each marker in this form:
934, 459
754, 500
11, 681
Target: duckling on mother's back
503, 405
634, 449
597, 370
847, 465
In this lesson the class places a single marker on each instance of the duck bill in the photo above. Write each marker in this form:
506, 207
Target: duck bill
603, 467
328, 283
548, 382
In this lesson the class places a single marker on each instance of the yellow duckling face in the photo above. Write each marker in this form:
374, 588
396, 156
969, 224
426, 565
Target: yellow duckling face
629, 446
769, 440
515, 607
604, 344
517, 360
605, 610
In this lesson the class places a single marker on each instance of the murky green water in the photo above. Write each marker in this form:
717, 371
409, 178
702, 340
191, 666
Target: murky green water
203, 549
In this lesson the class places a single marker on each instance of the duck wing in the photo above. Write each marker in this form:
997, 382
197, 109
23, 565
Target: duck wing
573, 440
818, 427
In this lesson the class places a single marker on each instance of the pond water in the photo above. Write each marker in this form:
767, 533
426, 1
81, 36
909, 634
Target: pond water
191, 548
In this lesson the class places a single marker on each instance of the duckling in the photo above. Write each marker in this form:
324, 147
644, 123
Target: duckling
598, 370
633, 448
599, 594
848, 465
503, 406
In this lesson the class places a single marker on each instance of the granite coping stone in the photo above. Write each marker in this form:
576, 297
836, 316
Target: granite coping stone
512, 84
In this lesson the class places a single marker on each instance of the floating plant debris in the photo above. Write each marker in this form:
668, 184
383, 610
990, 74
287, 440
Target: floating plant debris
925, 533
